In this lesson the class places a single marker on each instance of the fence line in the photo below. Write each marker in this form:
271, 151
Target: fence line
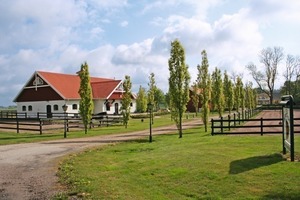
224, 125
42, 121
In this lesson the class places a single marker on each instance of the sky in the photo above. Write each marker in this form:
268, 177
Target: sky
133, 37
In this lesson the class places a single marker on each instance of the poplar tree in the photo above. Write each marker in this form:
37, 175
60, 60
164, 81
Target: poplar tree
141, 100
238, 89
195, 97
228, 92
86, 105
152, 88
204, 83
248, 95
217, 91
126, 100
178, 83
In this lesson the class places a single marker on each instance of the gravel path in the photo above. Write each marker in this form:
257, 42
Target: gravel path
28, 171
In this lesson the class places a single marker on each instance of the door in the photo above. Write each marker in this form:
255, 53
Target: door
116, 108
49, 111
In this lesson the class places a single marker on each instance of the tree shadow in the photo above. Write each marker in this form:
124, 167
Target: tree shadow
288, 195
247, 164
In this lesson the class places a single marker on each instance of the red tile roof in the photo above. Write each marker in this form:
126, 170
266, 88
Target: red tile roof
67, 85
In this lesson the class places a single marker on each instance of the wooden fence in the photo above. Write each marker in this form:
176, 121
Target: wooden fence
40, 122
238, 125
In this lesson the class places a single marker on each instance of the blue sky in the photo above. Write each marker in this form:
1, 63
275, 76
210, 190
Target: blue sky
129, 37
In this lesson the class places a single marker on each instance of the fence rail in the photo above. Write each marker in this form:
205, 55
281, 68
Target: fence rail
42, 121
256, 126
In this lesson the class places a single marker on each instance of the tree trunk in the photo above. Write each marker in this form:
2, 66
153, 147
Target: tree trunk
180, 125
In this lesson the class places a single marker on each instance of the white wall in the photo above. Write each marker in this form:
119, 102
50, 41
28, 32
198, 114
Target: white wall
41, 106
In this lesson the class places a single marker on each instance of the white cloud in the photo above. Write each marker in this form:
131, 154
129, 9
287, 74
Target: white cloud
124, 23
57, 35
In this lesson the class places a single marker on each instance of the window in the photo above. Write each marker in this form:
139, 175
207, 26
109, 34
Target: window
108, 106
30, 108
23, 108
55, 107
131, 104
74, 107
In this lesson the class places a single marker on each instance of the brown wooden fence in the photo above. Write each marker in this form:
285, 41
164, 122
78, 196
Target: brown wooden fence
237, 125
41, 121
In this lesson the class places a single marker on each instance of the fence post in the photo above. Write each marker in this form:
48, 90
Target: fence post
212, 126
221, 124
41, 126
67, 124
17, 125
234, 122
261, 127
229, 122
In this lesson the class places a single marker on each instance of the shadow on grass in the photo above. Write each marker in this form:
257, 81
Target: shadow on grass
247, 164
288, 195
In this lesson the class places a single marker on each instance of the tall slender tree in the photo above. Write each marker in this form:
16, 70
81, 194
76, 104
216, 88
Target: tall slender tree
204, 83
126, 100
86, 105
141, 100
178, 83
249, 95
217, 91
195, 97
238, 93
228, 92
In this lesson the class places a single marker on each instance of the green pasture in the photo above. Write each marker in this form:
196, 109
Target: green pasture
198, 166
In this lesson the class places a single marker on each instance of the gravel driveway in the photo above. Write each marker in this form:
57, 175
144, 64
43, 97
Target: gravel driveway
28, 171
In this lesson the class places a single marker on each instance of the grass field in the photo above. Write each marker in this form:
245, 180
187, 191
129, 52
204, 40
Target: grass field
198, 166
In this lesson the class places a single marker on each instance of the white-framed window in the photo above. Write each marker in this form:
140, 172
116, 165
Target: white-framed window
23, 108
30, 108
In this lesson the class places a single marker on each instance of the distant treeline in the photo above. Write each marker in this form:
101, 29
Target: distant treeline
8, 108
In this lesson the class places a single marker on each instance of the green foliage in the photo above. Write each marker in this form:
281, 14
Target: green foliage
238, 92
195, 97
159, 98
204, 84
292, 88
152, 88
249, 93
178, 83
217, 92
86, 105
141, 100
126, 100
228, 93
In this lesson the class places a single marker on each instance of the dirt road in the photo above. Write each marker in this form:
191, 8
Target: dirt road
28, 171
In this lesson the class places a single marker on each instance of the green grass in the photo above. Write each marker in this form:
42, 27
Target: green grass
198, 166
134, 125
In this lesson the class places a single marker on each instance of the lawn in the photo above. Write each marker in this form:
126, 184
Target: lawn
198, 166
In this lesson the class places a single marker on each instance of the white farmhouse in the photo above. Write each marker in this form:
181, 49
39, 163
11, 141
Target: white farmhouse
48, 92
